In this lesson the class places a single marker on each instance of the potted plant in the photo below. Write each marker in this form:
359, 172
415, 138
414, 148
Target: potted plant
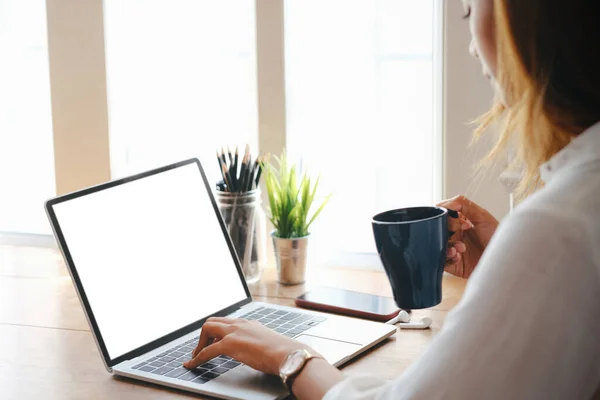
291, 198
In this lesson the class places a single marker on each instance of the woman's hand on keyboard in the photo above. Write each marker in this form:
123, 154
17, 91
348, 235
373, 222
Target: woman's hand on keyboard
246, 341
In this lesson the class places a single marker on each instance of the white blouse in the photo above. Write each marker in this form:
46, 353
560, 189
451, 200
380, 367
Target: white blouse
528, 325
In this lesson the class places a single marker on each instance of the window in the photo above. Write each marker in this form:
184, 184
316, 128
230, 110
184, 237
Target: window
360, 112
26, 144
181, 80
351, 88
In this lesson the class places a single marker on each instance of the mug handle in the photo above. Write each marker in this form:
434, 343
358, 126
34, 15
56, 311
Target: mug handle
453, 214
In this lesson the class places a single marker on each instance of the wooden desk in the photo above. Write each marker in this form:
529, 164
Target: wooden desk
47, 350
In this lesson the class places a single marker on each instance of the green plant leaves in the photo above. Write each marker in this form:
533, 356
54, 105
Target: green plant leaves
290, 202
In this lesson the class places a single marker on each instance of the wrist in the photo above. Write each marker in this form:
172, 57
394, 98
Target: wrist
294, 363
279, 355
316, 362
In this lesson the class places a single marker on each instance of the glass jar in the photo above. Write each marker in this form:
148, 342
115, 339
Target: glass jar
246, 222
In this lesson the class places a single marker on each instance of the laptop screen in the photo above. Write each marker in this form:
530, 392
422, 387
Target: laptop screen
151, 256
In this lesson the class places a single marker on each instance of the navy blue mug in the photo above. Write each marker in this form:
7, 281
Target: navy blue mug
412, 243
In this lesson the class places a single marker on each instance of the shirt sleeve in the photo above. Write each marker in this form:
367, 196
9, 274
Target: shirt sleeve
526, 328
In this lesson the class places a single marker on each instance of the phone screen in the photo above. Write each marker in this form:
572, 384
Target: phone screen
346, 299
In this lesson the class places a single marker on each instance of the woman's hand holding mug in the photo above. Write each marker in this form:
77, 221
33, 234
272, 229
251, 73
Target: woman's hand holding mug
473, 231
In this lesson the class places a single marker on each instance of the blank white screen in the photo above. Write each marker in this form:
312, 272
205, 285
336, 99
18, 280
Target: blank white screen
151, 256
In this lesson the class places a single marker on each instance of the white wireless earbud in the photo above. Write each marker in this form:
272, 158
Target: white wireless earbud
402, 316
423, 324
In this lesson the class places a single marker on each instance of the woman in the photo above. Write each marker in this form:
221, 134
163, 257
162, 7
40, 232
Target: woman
528, 324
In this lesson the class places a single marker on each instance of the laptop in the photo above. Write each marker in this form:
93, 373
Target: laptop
151, 259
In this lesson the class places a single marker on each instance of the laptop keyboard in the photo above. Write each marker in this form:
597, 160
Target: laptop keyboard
289, 324
168, 363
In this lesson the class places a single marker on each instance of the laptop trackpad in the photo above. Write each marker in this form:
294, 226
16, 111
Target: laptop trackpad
332, 350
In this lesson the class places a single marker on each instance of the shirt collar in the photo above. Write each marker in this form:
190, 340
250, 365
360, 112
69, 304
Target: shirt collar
584, 149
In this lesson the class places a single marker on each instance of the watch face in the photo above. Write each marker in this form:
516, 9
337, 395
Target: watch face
293, 362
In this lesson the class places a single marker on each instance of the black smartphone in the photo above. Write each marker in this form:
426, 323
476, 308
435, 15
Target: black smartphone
346, 302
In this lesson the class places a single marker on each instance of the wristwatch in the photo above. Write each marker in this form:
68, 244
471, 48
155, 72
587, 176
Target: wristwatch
294, 364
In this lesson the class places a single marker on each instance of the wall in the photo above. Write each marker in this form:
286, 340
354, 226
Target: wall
467, 94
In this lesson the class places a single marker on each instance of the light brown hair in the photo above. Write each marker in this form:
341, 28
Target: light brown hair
548, 66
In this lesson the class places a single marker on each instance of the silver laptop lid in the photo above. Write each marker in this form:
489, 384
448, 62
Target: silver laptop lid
150, 257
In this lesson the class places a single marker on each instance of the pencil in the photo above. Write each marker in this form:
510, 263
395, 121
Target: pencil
235, 166
249, 175
244, 168
249, 178
260, 168
223, 157
230, 156
233, 184
242, 177
225, 172
220, 164
253, 171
